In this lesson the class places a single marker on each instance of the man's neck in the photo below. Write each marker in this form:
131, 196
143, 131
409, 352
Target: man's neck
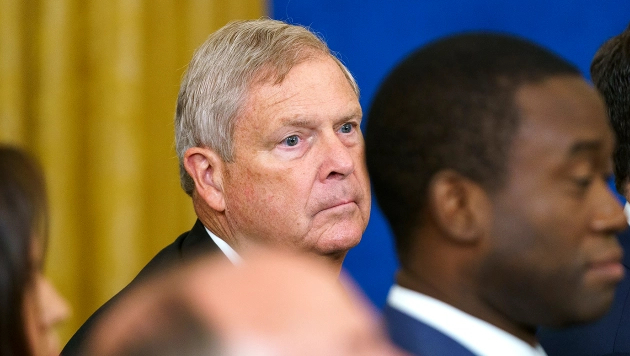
216, 223
464, 300
227, 250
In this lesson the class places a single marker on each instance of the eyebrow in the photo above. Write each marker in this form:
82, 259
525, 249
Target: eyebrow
300, 122
583, 146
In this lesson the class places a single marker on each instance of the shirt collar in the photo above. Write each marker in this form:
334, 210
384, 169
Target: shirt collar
478, 336
227, 250
626, 212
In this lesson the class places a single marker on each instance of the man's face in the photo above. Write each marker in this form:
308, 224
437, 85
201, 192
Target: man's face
295, 307
275, 304
298, 177
43, 308
553, 258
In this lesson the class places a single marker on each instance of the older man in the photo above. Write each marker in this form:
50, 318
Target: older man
270, 149
489, 156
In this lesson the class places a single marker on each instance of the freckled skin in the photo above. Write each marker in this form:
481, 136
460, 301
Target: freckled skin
311, 191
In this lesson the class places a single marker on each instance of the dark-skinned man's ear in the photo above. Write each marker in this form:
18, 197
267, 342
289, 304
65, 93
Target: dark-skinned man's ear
459, 206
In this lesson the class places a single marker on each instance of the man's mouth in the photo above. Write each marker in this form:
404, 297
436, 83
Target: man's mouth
339, 205
608, 266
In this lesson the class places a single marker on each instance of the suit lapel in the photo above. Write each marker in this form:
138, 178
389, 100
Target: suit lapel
197, 242
419, 338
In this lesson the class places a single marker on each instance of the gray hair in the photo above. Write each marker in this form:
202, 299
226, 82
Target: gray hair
222, 71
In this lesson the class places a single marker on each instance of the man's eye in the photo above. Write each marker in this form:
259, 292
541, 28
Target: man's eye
291, 140
346, 128
583, 182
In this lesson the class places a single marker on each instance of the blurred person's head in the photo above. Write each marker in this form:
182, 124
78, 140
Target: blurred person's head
610, 71
30, 308
269, 143
168, 327
488, 155
272, 305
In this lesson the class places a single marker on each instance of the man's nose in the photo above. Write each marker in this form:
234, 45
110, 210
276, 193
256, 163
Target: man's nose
337, 158
609, 216
54, 307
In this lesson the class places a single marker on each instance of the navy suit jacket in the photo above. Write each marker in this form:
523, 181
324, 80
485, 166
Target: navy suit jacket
419, 338
185, 248
609, 336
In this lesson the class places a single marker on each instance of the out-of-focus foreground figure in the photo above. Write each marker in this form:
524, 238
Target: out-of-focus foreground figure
274, 304
30, 308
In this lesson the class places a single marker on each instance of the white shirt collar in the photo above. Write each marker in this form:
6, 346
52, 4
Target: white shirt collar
227, 250
478, 336
626, 212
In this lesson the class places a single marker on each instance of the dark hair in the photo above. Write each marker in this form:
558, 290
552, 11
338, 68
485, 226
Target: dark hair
22, 219
610, 71
449, 105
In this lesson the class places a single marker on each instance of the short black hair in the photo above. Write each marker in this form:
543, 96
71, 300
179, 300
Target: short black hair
449, 105
610, 71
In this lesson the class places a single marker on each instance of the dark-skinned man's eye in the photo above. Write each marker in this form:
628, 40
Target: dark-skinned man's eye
583, 182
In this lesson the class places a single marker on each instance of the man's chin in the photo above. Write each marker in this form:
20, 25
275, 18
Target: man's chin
596, 308
336, 243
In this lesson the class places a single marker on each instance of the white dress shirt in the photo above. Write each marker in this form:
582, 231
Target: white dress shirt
227, 250
480, 337
626, 212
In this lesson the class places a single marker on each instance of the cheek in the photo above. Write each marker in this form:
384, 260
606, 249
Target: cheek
32, 322
546, 225
360, 164
364, 182
49, 310
262, 186
535, 262
560, 232
277, 199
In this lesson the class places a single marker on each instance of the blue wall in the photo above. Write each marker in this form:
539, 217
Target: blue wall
371, 36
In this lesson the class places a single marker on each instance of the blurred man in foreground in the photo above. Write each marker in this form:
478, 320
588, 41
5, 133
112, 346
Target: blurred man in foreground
273, 304
488, 155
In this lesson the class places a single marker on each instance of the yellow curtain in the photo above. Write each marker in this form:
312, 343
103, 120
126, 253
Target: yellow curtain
89, 86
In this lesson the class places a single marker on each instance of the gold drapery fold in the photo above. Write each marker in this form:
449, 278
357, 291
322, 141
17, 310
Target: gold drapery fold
89, 86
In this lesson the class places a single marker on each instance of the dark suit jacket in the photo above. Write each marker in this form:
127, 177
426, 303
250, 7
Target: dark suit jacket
419, 338
609, 336
185, 248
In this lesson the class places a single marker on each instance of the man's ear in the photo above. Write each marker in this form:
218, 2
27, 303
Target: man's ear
205, 167
459, 206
